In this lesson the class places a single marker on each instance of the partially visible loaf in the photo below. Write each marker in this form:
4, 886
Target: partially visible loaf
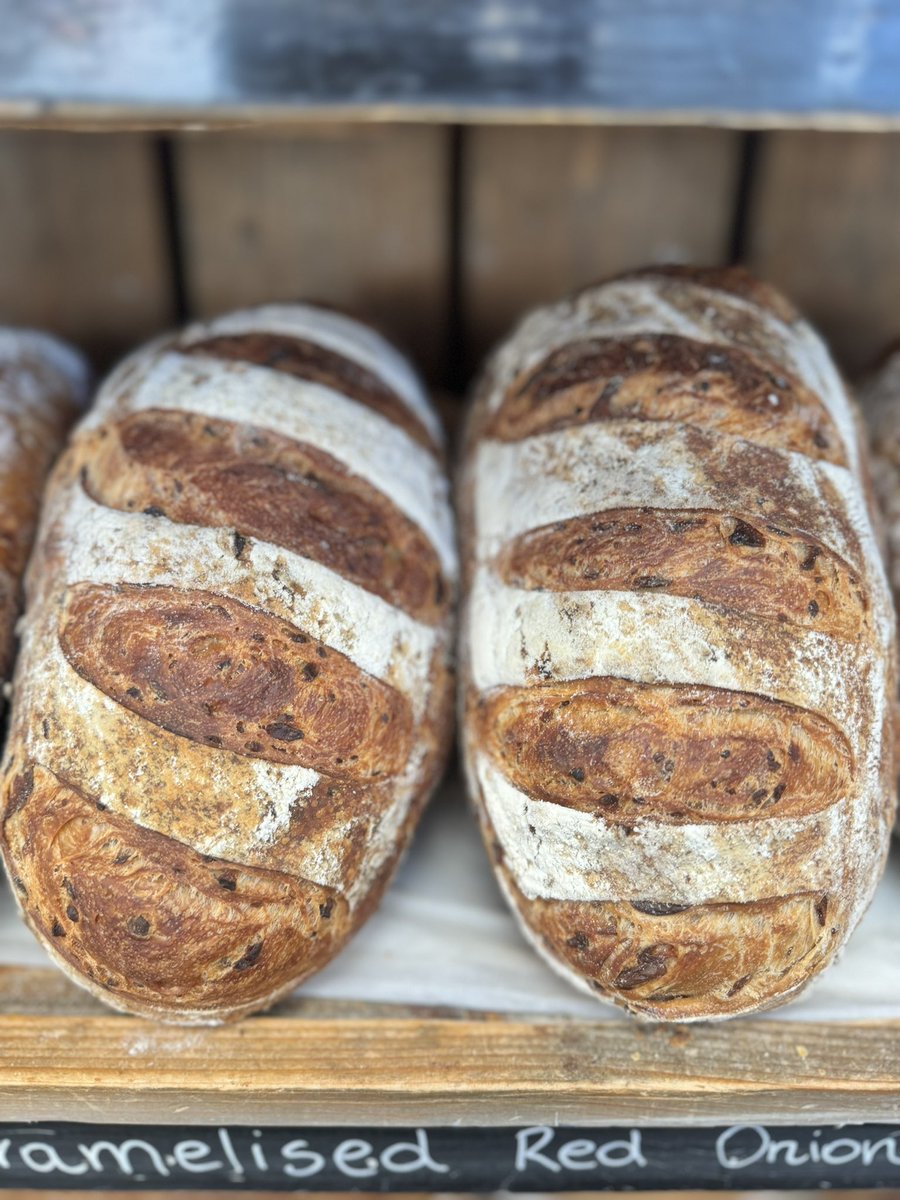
232, 699
881, 403
43, 384
677, 656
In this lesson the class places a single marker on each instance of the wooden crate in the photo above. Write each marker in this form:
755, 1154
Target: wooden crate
440, 231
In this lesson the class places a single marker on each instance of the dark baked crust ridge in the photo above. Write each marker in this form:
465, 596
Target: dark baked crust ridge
200, 471
733, 560
706, 961
317, 364
665, 377
734, 281
671, 754
209, 668
160, 928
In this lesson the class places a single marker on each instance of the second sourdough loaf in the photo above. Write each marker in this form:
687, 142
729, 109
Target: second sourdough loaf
677, 653
232, 697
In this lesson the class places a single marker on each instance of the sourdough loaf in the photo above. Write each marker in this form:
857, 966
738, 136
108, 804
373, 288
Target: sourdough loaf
43, 383
232, 698
677, 648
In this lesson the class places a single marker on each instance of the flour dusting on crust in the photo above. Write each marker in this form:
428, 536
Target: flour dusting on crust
650, 912
233, 736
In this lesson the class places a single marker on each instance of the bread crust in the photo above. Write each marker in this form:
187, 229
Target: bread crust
678, 644
881, 404
225, 726
43, 385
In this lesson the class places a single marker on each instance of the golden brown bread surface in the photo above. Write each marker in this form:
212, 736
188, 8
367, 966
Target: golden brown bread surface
233, 696
273, 488
677, 655
43, 384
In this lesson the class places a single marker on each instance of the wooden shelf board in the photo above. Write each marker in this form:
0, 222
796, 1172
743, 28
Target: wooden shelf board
315, 1063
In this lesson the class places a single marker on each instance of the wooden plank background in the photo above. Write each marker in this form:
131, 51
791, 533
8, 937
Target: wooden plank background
823, 222
83, 248
441, 236
546, 210
354, 217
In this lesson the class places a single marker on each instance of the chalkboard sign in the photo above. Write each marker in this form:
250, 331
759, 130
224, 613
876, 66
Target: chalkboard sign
537, 1158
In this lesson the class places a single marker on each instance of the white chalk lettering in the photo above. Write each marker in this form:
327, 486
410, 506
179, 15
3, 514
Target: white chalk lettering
571, 1155
622, 1153
871, 1150
121, 1155
298, 1151
743, 1145
734, 1162
228, 1150
187, 1155
351, 1151
51, 1161
420, 1160
793, 1156
541, 1152
259, 1155
529, 1144
833, 1155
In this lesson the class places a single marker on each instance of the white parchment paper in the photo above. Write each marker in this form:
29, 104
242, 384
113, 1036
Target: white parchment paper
444, 937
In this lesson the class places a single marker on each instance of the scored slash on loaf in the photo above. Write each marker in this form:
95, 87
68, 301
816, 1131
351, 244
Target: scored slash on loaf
232, 698
677, 662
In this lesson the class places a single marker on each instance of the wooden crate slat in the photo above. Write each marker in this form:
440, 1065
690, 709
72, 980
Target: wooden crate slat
82, 238
546, 210
353, 217
316, 1063
824, 224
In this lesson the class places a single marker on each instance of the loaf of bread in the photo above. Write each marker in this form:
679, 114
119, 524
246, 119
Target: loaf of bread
881, 400
43, 384
232, 697
677, 651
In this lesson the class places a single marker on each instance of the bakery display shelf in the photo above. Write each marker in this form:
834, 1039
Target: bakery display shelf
467, 1091
321, 1062
492, 1071
227, 62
